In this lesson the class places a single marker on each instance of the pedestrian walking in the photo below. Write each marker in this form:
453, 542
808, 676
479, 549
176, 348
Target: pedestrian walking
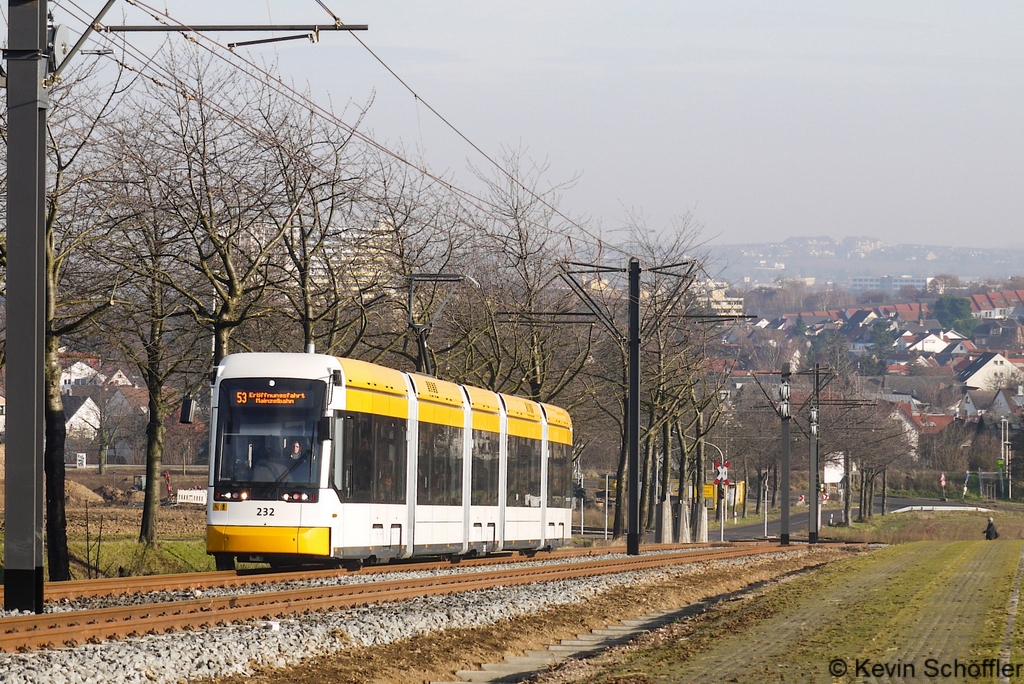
990, 531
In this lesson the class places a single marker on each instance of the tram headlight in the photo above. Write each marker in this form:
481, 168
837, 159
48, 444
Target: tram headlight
305, 497
243, 496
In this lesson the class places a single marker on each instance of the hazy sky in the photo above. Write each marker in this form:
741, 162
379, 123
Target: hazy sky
766, 119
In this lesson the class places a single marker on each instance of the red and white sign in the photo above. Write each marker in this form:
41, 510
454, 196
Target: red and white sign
942, 480
723, 473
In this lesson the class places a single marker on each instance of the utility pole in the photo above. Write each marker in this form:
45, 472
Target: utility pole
632, 398
633, 409
32, 64
27, 58
784, 414
813, 517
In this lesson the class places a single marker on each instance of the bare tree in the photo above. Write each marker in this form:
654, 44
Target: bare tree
328, 292
151, 324
414, 226
222, 189
77, 288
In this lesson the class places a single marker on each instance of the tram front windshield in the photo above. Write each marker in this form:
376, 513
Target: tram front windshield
266, 431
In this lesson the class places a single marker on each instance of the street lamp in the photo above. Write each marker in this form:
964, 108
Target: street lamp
1004, 454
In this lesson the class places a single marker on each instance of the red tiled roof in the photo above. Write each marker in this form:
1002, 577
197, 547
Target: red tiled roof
929, 423
979, 302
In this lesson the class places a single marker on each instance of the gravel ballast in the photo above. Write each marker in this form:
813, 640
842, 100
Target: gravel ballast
245, 649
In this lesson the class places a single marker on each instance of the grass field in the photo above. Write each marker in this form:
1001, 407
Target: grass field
897, 528
905, 608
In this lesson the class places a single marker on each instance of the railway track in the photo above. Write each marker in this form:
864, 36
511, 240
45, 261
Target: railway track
30, 632
114, 586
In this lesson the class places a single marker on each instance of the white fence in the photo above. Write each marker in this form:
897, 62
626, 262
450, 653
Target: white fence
192, 496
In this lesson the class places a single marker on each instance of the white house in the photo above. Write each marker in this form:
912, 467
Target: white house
996, 404
81, 417
79, 373
928, 344
990, 371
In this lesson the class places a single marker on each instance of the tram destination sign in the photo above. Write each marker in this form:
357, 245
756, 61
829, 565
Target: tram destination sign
263, 394
243, 397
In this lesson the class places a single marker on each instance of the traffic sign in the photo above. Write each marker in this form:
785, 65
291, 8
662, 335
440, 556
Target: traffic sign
723, 473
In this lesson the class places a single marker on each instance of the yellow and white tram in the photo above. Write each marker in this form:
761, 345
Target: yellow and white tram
318, 458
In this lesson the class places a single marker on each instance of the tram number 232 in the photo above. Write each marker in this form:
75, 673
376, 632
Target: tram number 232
264, 512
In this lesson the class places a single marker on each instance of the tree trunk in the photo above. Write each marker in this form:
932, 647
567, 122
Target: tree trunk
221, 340
884, 488
155, 429
53, 467
620, 489
682, 526
871, 495
101, 454
645, 480
775, 483
847, 488
700, 515
746, 487
860, 503
698, 473
757, 504
663, 529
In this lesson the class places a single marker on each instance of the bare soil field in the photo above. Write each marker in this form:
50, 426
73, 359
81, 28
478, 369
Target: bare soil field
111, 499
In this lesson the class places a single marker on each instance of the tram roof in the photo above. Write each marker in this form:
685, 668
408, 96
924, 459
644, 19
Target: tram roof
483, 400
523, 409
557, 415
440, 391
366, 375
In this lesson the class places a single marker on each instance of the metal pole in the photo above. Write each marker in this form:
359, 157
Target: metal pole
583, 499
26, 289
1005, 431
606, 506
724, 508
766, 506
812, 471
633, 409
784, 532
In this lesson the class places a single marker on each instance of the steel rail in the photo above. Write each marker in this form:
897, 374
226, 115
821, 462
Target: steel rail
76, 627
118, 586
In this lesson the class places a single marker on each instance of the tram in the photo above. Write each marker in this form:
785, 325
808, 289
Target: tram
319, 459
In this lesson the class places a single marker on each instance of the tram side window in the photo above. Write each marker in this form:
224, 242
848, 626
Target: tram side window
486, 447
523, 483
559, 475
368, 463
439, 468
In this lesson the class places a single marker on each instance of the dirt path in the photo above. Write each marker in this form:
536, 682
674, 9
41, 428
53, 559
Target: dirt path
905, 609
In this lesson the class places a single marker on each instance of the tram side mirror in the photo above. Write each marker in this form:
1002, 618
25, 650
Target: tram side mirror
188, 410
325, 429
